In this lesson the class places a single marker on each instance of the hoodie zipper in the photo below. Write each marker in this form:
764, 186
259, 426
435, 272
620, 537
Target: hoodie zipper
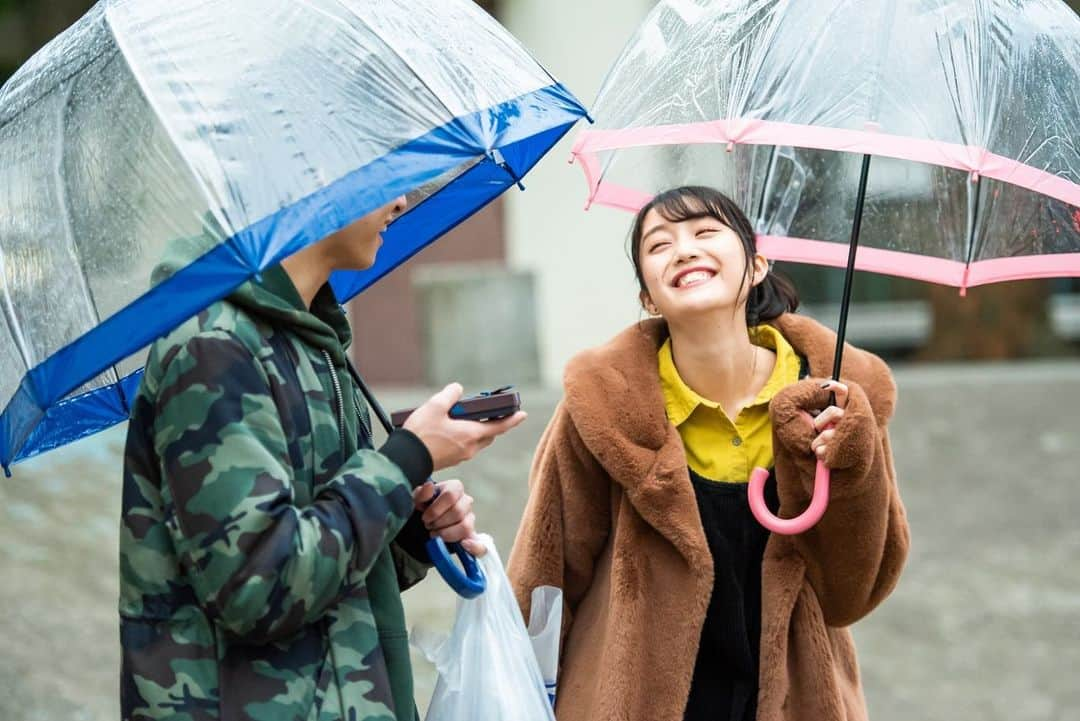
338, 396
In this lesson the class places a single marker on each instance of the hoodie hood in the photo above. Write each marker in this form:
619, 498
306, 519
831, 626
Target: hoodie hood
274, 298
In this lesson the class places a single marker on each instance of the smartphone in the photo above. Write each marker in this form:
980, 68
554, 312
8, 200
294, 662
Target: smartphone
487, 406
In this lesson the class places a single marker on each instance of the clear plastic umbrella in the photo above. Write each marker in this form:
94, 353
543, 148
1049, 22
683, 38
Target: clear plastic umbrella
969, 109
248, 129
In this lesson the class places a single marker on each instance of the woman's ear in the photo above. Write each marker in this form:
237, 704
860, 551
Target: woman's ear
647, 304
761, 269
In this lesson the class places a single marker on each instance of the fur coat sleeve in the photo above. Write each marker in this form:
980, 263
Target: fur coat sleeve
855, 554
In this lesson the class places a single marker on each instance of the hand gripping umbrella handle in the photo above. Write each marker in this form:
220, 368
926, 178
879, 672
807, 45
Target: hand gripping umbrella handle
789, 526
469, 583
468, 580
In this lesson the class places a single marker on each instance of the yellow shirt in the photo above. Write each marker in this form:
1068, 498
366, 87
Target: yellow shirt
716, 447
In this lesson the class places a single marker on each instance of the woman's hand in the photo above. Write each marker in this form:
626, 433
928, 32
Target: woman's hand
825, 421
448, 513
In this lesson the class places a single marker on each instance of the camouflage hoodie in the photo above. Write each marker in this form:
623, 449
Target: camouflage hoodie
263, 545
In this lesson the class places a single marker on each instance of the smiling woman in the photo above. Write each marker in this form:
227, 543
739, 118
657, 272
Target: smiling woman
695, 221
643, 476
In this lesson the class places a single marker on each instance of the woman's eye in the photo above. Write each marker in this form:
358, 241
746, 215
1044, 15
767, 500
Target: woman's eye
707, 231
657, 246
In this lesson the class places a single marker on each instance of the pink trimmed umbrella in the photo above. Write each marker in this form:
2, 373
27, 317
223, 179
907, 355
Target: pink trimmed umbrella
969, 110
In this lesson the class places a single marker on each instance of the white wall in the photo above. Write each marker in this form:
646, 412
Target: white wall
585, 284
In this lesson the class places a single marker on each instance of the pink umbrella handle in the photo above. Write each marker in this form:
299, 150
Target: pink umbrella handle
789, 526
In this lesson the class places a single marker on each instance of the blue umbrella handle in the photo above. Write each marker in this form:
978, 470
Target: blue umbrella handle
469, 583
467, 580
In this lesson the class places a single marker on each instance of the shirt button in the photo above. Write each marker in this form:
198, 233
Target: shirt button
736, 441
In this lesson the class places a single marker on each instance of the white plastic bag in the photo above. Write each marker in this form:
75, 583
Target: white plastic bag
545, 627
487, 668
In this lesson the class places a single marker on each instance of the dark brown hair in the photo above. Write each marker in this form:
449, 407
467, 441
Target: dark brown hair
770, 298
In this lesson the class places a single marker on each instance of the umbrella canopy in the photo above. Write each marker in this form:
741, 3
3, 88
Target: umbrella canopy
971, 109
250, 129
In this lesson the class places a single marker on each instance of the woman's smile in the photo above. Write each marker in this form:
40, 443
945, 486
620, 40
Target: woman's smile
692, 277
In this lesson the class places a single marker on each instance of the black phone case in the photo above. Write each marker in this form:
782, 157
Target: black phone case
484, 407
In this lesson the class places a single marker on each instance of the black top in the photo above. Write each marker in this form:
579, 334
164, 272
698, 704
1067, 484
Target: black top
725, 681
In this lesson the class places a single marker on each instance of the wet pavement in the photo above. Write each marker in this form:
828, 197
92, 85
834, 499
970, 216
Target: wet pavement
984, 626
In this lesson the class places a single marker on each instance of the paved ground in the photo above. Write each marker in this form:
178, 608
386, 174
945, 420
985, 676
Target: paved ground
984, 626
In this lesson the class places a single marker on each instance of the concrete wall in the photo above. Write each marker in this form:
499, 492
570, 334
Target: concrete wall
585, 284
478, 324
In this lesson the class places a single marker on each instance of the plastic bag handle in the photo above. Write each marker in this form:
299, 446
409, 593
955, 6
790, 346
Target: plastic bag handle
789, 526
468, 580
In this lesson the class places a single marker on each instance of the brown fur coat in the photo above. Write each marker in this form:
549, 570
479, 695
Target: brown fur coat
612, 520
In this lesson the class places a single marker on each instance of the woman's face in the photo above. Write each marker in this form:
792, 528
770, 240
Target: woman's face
694, 266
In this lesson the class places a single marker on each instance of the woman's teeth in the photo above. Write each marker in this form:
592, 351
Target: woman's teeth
698, 276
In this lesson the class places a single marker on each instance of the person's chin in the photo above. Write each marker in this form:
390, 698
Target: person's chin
355, 264
697, 306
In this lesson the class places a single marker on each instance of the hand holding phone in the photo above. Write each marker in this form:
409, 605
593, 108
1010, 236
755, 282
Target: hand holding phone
486, 406
447, 425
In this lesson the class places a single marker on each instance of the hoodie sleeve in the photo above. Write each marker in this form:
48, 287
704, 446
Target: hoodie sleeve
261, 566
855, 554
566, 521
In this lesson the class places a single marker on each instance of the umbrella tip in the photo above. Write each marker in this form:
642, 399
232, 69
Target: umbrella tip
7, 471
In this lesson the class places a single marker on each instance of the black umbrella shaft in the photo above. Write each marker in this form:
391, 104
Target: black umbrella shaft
853, 247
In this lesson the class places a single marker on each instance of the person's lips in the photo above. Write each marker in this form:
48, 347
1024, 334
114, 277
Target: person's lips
692, 277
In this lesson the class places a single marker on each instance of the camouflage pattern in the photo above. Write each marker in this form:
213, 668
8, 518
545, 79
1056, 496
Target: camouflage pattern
259, 577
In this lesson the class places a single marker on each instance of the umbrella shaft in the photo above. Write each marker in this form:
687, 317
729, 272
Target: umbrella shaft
853, 247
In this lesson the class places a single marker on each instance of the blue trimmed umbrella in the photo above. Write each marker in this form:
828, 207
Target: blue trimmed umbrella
254, 127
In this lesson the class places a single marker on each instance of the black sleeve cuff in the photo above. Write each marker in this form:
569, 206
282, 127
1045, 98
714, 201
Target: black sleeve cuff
413, 538
410, 454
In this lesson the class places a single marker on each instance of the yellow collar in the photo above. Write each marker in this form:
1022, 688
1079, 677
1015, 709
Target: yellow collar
681, 400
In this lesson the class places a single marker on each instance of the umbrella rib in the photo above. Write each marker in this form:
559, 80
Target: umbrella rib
14, 327
974, 220
765, 187
398, 54
10, 110
65, 213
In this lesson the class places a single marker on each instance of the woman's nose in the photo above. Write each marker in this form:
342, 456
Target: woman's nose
685, 251
400, 203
